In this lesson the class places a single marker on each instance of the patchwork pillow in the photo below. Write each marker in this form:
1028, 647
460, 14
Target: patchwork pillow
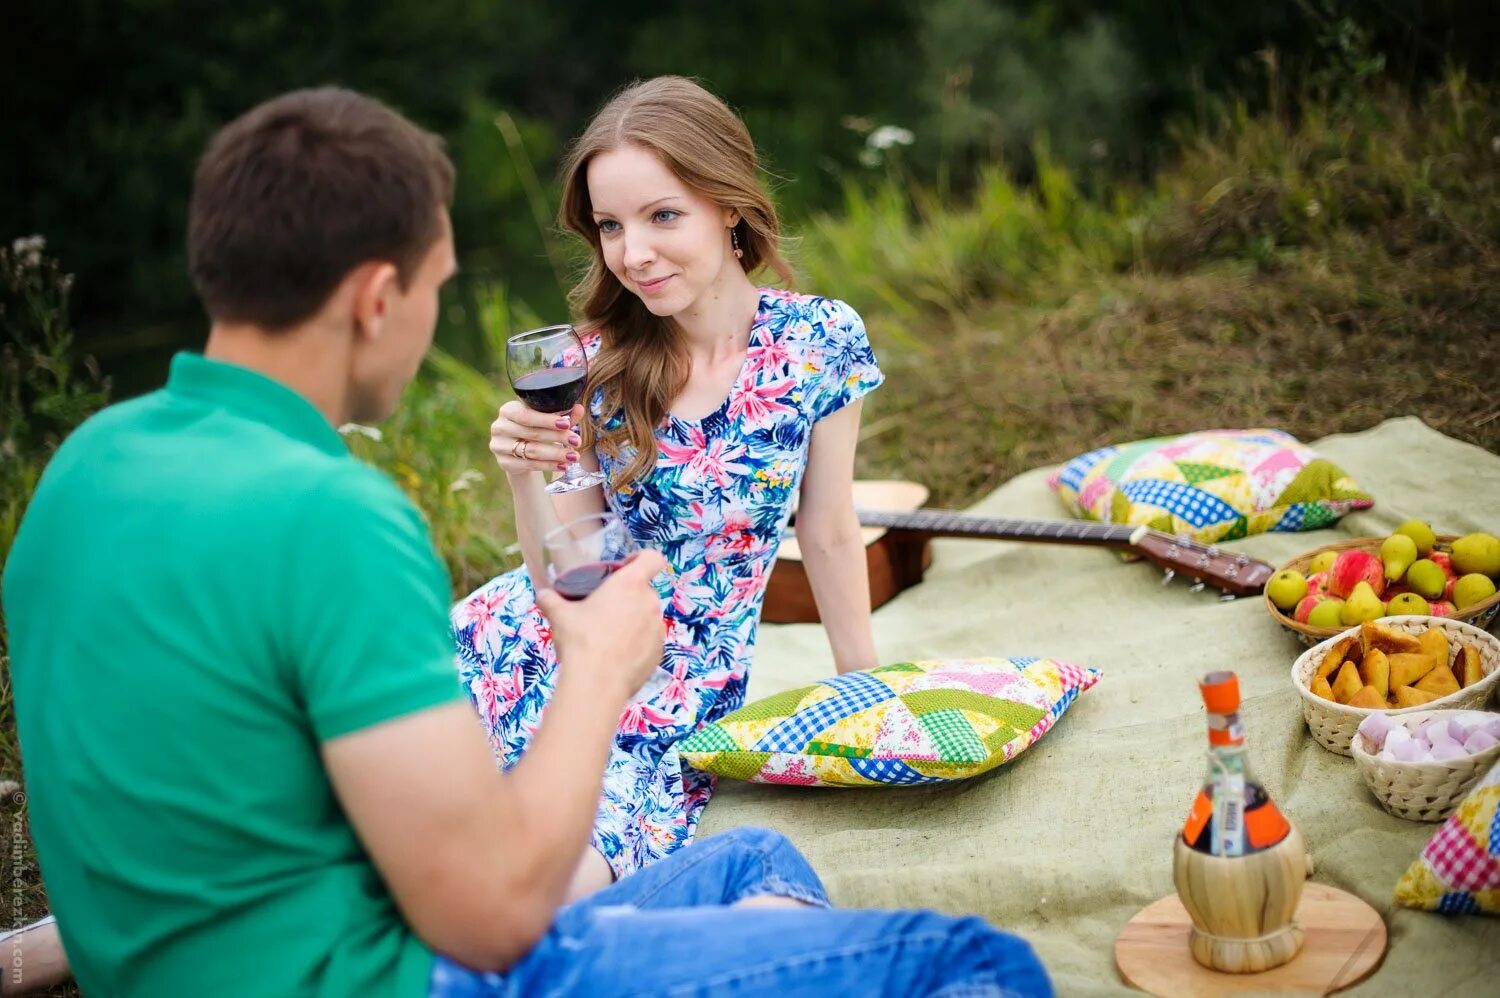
1458, 872
899, 725
1215, 485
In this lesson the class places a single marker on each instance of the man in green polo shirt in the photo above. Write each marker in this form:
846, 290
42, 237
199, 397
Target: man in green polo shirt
214, 608
251, 768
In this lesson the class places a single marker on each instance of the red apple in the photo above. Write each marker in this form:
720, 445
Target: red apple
1305, 607
1317, 584
1443, 560
1441, 608
1351, 568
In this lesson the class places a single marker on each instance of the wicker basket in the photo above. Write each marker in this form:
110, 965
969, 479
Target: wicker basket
1333, 725
1480, 614
1421, 791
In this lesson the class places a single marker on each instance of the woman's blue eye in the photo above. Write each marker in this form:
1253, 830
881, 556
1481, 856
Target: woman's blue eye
608, 225
665, 215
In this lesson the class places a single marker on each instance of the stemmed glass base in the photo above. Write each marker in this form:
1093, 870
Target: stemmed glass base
575, 480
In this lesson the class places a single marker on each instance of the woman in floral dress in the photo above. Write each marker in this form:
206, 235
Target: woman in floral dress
714, 406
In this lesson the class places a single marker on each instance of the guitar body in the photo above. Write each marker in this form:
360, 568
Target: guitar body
895, 560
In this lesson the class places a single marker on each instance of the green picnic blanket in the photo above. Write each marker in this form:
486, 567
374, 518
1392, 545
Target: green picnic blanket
1066, 843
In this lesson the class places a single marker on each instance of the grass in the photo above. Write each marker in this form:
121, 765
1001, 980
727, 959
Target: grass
1317, 271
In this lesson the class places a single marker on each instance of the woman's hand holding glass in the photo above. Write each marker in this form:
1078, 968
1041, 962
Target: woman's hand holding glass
523, 439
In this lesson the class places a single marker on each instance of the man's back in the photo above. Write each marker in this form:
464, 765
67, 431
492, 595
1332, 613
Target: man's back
206, 587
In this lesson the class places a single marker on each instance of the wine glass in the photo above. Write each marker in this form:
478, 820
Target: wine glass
582, 553
547, 368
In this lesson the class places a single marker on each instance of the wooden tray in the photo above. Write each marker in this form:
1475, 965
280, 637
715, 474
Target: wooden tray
1345, 942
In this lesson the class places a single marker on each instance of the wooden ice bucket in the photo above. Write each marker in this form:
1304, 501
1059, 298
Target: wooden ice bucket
1243, 907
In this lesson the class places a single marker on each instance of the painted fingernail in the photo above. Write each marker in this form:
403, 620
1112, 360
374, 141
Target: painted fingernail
572, 455
574, 439
563, 424
561, 466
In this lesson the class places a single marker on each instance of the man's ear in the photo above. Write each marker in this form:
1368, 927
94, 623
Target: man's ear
374, 284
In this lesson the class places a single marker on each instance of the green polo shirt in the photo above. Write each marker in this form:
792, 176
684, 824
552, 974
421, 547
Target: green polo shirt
206, 586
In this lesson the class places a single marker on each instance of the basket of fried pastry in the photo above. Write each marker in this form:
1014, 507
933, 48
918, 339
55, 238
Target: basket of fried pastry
1397, 665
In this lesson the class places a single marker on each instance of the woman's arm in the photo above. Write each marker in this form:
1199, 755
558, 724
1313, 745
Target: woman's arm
547, 445
828, 534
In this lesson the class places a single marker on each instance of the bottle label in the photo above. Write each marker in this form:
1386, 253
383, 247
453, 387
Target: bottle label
1231, 816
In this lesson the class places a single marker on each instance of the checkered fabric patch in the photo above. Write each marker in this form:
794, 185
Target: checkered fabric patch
902, 725
1457, 859
892, 772
1458, 872
954, 736
857, 692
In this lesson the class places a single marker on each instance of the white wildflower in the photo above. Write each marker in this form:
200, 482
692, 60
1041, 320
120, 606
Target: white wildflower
1312, 207
373, 432
887, 136
467, 479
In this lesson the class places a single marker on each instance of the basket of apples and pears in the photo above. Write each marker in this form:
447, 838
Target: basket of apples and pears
1322, 592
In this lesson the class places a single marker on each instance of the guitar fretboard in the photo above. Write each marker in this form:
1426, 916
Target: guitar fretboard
953, 524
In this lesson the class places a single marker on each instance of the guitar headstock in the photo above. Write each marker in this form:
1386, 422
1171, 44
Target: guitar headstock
1234, 573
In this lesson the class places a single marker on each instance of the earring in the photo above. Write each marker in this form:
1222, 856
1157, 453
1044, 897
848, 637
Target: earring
734, 241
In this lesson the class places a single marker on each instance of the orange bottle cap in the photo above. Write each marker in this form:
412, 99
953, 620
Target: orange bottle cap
1221, 692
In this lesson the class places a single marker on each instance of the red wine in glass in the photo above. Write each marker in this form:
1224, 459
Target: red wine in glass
582, 553
577, 583
556, 389
548, 369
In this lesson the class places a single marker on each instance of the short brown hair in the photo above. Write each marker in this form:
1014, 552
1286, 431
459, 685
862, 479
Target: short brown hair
300, 190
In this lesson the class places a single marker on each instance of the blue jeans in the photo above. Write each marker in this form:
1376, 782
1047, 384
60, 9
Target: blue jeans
670, 930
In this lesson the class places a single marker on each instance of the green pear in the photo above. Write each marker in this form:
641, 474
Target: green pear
1427, 578
1408, 603
1286, 589
1362, 605
1477, 553
1397, 553
1472, 588
1327, 614
1419, 532
1322, 562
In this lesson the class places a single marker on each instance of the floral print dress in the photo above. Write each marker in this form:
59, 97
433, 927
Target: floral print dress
715, 506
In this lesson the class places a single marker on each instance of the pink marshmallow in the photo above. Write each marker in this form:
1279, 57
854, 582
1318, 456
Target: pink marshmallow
1398, 735
1447, 752
1480, 741
1432, 727
1377, 727
1457, 730
1408, 751
1492, 726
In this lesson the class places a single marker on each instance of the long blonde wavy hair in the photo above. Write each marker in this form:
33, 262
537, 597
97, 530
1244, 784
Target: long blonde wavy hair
642, 363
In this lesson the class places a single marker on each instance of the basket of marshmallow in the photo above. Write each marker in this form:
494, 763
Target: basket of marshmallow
1420, 765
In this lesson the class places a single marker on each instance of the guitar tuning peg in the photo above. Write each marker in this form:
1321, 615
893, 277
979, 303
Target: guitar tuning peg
1196, 587
1167, 576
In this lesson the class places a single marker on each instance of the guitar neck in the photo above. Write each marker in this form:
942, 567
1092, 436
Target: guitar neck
945, 523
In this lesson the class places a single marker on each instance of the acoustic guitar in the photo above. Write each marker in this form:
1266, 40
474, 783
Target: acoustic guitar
898, 534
